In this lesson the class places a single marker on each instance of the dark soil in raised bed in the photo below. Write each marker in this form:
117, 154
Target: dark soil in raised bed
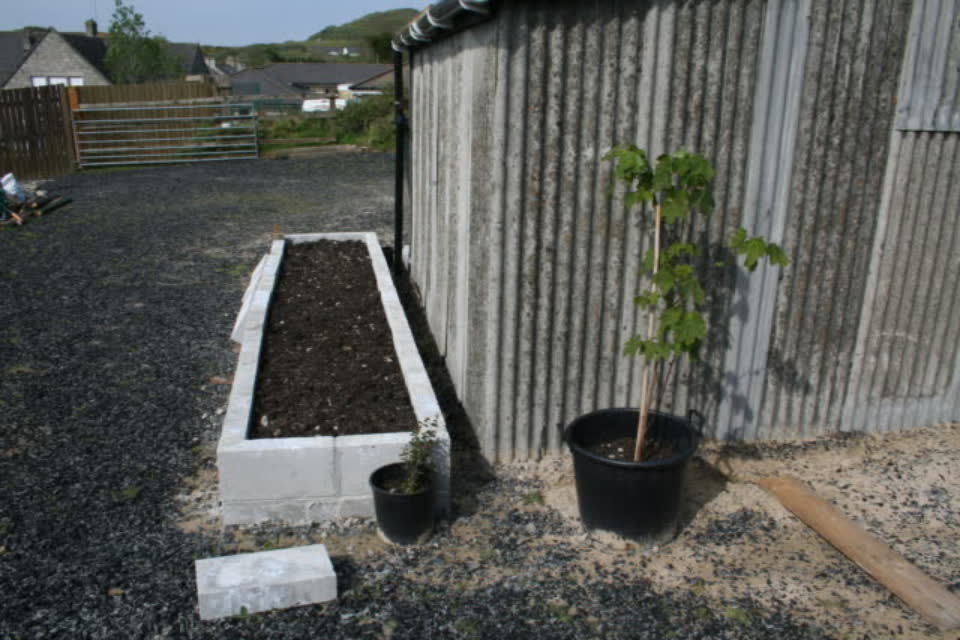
328, 366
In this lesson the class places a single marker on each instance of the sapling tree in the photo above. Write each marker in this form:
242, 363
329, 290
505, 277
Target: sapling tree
676, 188
417, 459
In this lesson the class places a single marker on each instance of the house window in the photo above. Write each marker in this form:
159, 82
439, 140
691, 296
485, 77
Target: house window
43, 81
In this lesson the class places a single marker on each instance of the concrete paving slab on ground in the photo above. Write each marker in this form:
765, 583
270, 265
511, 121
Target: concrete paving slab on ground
255, 582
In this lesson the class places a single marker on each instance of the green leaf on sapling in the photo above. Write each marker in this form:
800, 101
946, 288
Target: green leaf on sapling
647, 299
663, 174
675, 205
663, 280
632, 346
631, 165
647, 264
776, 256
689, 330
677, 249
753, 249
654, 349
737, 238
630, 198
702, 201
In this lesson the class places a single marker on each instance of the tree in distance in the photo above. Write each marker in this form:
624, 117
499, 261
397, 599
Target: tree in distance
135, 56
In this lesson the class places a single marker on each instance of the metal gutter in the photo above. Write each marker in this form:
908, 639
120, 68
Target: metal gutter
440, 20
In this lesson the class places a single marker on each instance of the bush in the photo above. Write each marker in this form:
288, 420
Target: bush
368, 122
299, 126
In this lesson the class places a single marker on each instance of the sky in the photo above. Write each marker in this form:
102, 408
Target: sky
216, 22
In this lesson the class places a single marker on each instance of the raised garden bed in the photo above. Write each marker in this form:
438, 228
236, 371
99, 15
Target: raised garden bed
308, 479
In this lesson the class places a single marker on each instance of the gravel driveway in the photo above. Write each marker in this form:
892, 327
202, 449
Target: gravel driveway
114, 318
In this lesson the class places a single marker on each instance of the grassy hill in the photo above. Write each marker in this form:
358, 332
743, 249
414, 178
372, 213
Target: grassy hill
351, 34
369, 25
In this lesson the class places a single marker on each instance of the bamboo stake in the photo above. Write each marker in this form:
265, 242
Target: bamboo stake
646, 386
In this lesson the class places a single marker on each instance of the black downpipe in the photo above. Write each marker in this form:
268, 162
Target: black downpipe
401, 124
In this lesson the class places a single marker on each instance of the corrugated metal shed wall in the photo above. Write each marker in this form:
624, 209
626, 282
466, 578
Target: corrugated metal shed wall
849, 95
930, 100
908, 355
527, 263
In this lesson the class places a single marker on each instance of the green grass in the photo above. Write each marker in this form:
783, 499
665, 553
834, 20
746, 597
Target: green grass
20, 369
365, 26
269, 148
296, 126
127, 494
534, 497
112, 169
737, 615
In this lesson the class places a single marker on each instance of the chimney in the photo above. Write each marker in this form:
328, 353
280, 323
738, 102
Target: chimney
91, 26
30, 39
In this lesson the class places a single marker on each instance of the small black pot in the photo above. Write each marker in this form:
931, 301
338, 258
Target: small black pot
403, 518
637, 500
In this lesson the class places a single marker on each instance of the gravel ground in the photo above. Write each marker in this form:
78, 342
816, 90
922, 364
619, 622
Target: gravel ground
113, 349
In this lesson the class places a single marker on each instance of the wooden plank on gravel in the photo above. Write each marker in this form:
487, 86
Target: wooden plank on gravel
926, 596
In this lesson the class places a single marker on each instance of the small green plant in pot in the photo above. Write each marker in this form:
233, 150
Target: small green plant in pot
629, 463
403, 492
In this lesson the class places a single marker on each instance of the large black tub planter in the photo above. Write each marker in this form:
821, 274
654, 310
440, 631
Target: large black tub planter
637, 500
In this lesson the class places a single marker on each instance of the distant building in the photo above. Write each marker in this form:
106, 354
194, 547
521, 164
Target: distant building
375, 85
346, 52
304, 80
41, 57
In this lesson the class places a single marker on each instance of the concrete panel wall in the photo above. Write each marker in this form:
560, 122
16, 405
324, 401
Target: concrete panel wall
930, 99
850, 86
527, 260
907, 362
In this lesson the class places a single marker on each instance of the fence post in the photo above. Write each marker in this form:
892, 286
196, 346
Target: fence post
69, 99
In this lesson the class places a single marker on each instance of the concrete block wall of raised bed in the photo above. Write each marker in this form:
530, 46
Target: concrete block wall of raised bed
304, 480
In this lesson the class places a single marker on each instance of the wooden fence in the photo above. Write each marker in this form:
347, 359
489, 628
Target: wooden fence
140, 93
36, 139
36, 124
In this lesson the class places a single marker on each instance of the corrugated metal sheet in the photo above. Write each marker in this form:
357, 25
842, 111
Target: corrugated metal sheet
930, 96
527, 260
551, 256
849, 92
908, 350
765, 212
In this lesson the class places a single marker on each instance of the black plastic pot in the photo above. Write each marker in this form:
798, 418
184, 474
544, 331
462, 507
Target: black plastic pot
403, 518
637, 500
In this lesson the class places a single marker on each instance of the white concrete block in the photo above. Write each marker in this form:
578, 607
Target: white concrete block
237, 334
254, 582
277, 468
355, 507
291, 511
359, 456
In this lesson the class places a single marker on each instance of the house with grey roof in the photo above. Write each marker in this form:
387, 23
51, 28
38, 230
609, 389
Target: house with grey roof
40, 57
37, 57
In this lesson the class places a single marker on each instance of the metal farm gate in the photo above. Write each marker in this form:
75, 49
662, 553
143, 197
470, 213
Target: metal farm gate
164, 132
